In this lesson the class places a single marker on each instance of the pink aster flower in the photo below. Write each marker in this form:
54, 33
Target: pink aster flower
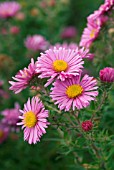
83, 52
69, 32
11, 116
59, 63
9, 9
105, 7
36, 42
111, 2
97, 18
4, 131
23, 78
74, 93
107, 74
34, 120
89, 35
87, 125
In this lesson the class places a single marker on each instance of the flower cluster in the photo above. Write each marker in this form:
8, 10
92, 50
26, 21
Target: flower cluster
94, 23
62, 66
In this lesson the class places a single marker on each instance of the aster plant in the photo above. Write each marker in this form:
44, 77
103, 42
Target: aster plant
64, 98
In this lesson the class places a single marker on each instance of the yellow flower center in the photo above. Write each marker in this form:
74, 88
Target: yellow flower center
1, 133
74, 90
92, 34
60, 65
30, 119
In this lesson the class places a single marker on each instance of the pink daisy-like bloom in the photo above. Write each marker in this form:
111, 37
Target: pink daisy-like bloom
34, 120
4, 132
107, 74
87, 125
97, 18
74, 93
11, 116
69, 32
9, 9
59, 63
23, 78
36, 43
83, 52
105, 7
89, 35
111, 2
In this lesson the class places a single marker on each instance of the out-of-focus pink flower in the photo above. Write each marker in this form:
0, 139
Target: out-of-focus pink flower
1, 83
34, 120
59, 64
14, 30
72, 46
23, 77
89, 35
4, 131
20, 16
9, 9
52, 3
4, 94
4, 31
74, 93
87, 125
107, 74
69, 32
36, 42
11, 116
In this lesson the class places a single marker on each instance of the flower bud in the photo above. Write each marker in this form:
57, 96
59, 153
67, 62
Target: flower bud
107, 74
87, 125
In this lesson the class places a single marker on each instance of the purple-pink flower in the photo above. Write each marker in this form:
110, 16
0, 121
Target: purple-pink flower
69, 32
110, 2
23, 78
74, 93
36, 42
34, 120
89, 35
4, 132
9, 9
107, 74
11, 116
59, 63
97, 18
